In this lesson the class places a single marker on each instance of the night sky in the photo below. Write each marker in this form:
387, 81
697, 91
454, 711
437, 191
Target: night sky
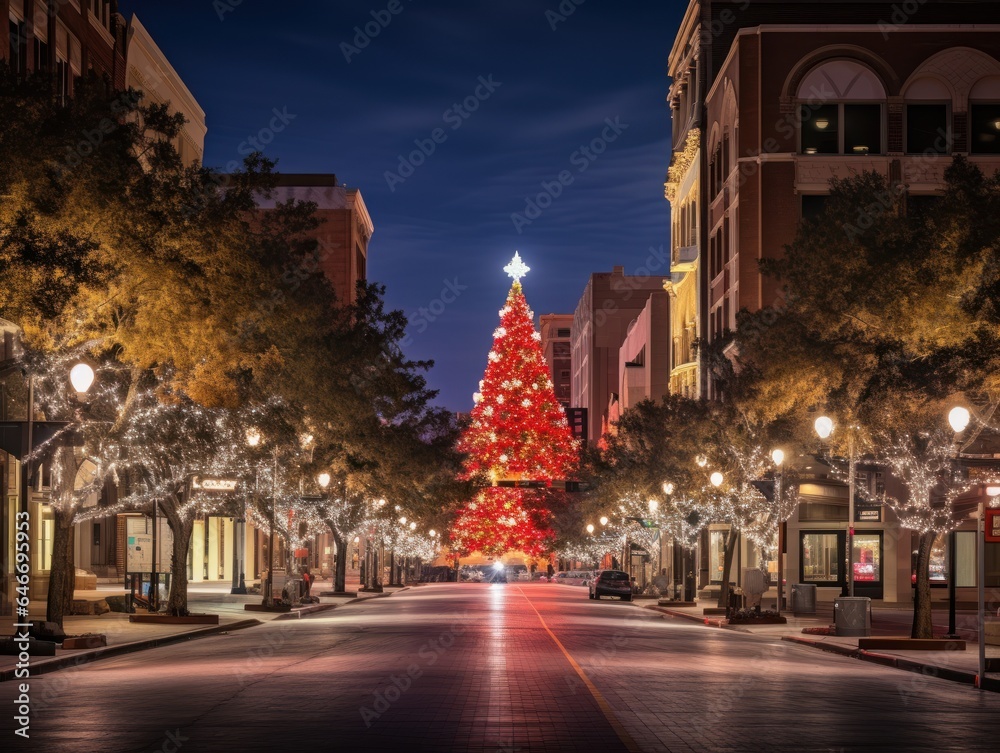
529, 97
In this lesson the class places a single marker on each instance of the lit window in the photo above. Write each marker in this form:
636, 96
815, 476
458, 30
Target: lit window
841, 110
821, 557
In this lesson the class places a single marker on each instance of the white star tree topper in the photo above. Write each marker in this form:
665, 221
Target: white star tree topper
517, 268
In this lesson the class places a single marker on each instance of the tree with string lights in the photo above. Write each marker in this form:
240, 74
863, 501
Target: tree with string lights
518, 432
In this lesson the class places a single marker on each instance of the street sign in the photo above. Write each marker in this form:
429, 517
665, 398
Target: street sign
214, 483
992, 524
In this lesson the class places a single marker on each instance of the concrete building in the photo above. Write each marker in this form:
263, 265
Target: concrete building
149, 71
770, 101
644, 356
345, 229
557, 345
610, 302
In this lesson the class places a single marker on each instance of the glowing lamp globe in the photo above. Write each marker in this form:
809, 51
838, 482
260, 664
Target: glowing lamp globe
778, 456
993, 491
253, 437
604, 520
432, 533
323, 479
81, 377
716, 479
653, 505
403, 520
824, 426
590, 527
668, 488
959, 418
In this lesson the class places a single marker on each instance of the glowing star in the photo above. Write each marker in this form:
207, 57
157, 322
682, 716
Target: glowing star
517, 268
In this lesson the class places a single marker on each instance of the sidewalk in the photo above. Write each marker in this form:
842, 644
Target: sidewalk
956, 665
208, 598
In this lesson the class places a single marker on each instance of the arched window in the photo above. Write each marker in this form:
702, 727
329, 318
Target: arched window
928, 103
842, 110
984, 116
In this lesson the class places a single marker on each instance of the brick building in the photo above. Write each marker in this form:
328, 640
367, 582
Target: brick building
557, 344
771, 100
610, 302
66, 37
345, 229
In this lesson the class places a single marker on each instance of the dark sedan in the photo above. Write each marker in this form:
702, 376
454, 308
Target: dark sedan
611, 583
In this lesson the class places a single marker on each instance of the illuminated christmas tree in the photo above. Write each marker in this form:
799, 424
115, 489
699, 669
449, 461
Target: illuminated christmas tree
518, 433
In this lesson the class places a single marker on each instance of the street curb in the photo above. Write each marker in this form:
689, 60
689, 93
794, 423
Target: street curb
707, 621
897, 662
110, 652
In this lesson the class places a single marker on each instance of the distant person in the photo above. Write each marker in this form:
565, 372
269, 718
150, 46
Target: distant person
551, 570
307, 581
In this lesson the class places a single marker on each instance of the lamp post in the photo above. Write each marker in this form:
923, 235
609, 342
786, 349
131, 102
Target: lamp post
778, 457
824, 428
958, 418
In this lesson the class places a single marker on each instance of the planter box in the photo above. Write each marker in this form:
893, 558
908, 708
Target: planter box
85, 641
169, 619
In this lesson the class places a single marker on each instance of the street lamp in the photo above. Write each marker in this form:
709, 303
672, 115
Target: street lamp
604, 520
81, 377
959, 418
778, 457
716, 478
824, 428
590, 528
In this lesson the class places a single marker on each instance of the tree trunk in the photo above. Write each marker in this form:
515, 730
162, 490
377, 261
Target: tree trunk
339, 560
923, 624
727, 565
177, 600
62, 572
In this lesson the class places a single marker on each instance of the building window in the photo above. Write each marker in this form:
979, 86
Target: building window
861, 132
867, 557
927, 129
563, 332
985, 121
822, 555
813, 205
102, 11
716, 555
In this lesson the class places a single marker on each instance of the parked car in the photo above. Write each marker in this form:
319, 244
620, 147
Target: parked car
611, 583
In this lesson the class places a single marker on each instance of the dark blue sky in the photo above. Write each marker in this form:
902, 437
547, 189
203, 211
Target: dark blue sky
553, 91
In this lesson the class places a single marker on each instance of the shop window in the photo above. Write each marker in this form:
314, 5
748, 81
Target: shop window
867, 557
822, 555
985, 121
716, 555
927, 129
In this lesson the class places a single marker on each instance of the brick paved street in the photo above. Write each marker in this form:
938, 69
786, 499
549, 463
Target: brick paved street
475, 667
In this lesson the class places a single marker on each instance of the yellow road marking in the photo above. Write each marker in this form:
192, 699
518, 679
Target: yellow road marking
605, 707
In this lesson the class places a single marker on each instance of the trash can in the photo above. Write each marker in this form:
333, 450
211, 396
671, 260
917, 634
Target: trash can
803, 598
852, 615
